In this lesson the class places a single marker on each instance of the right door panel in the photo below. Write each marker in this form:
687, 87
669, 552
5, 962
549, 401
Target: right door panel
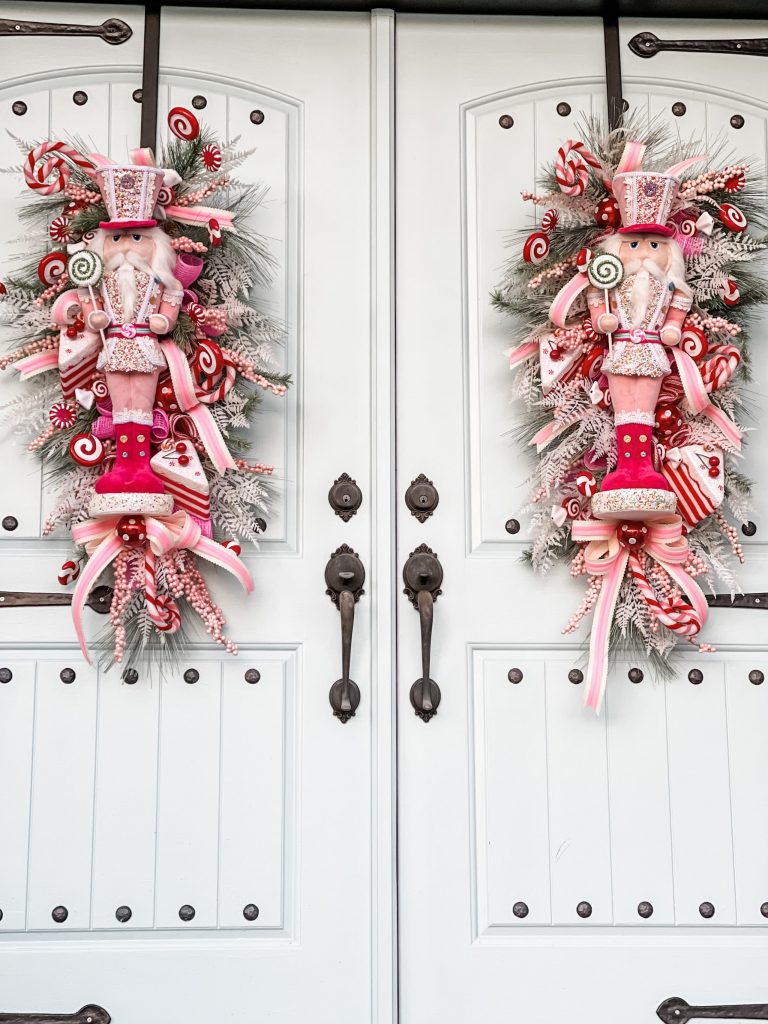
535, 836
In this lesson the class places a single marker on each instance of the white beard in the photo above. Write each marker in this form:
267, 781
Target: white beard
643, 271
124, 268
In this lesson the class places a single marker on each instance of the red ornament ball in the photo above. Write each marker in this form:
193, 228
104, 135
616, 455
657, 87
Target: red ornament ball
668, 419
555, 353
131, 529
632, 535
180, 446
714, 472
607, 213
183, 460
714, 461
166, 396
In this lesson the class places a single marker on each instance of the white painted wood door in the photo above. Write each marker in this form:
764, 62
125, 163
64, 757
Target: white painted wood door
220, 794
513, 793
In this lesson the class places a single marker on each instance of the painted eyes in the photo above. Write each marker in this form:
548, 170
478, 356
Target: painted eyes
654, 245
115, 238
136, 238
633, 245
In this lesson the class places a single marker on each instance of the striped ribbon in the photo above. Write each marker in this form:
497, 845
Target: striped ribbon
605, 556
698, 400
102, 544
30, 366
520, 353
207, 428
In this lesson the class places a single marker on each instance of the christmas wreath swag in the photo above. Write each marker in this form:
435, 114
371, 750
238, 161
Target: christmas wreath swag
147, 355
632, 298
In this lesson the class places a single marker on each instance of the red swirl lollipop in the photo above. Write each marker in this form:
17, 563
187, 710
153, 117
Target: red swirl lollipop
732, 217
694, 341
183, 124
51, 267
536, 247
87, 450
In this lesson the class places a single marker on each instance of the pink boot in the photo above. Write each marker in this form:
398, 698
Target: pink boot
634, 490
634, 466
141, 478
118, 480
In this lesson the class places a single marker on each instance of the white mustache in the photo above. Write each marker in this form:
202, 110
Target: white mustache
132, 259
636, 265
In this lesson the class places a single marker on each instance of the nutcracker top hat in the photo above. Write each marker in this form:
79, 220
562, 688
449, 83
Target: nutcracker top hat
130, 195
645, 202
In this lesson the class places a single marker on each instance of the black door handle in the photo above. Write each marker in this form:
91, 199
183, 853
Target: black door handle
676, 1010
422, 576
99, 599
90, 1014
737, 601
344, 578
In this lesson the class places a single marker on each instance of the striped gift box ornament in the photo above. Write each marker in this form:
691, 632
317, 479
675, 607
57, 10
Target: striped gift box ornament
695, 474
178, 466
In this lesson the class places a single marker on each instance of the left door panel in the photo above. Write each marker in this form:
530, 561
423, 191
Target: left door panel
174, 848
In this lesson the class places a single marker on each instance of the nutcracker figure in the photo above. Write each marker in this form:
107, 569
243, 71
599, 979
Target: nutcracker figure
644, 314
137, 301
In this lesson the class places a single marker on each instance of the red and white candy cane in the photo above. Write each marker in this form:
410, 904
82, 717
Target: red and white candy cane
719, 369
162, 610
211, 391
48, 166
572, 167
679, 616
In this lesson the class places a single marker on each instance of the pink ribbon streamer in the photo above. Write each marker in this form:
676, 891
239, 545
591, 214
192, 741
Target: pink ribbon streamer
565, 298
30, 366
184, 387
520, 353
164, 533
604, 556
698, 400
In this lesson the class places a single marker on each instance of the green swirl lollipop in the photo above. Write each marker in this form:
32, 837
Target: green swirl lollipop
85, 269
606, 271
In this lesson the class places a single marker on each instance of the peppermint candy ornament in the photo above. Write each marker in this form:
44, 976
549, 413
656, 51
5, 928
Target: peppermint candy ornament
586, 484
51, 267
729, 293
69, 572
166, 196
59, 230
572, 507
61, 416
549, 220
100, 389
214, 232
231, 545
196, 313
735, 183
732, 217
87, 450
536, 247
211, 157
183, 124
583, 260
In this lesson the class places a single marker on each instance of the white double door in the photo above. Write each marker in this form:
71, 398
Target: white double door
223, 795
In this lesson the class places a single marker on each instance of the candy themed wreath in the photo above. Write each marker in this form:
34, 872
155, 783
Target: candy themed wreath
631, 302
147, 356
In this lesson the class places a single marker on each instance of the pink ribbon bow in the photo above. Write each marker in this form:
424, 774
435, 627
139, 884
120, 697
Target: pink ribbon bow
102, 544
607, 557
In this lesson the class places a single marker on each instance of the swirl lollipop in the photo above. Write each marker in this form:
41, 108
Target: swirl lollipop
85, 269
606, 271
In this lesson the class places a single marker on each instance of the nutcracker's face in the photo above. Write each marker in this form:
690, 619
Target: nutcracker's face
639, 248
137, 241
